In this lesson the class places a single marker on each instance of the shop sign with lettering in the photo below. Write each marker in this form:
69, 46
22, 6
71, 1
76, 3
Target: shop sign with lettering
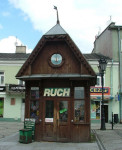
2, 88
59, 92
16, 88
98, 90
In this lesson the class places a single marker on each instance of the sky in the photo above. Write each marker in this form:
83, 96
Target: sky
23, 22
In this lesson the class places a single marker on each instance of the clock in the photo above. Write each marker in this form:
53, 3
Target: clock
56, 59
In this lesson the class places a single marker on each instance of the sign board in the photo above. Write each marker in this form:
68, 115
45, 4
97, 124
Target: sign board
16, 88
98, 91
48, 119
2, 88
59, 92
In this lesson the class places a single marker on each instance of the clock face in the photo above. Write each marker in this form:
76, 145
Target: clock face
56, 59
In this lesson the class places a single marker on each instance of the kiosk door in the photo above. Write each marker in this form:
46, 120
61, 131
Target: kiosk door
56, 121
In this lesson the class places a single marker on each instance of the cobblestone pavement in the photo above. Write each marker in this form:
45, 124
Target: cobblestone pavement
106, 140
9, 137
109, 139
8, 128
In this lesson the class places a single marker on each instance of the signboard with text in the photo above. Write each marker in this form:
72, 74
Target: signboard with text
59, 92
16, 88
2, 88
98, 90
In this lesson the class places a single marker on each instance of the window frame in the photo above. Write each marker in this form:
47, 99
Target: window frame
99, 77
79, 99
3, 77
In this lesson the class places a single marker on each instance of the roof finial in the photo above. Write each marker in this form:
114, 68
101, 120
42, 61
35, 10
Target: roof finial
57, 15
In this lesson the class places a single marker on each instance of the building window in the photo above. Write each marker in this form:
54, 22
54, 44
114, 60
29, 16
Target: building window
12, 101
63, 109
1, 107
34, 104
21, 82
34, 109
95, 109
1, 78
99, 81
79, 104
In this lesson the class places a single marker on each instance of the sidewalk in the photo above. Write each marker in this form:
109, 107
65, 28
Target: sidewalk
109, 139
106, 140
9, 137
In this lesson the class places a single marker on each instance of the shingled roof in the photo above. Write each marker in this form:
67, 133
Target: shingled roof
95, 57
13, 56
23, 56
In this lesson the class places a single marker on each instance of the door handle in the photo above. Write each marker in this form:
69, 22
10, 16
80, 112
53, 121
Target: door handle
72, 120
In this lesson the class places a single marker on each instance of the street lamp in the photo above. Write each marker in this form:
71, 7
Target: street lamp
102, 68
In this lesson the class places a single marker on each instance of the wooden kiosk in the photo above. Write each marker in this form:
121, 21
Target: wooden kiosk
58, 79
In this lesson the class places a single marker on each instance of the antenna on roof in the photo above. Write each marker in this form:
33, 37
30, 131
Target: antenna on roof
16, 43
109, 21
57, 14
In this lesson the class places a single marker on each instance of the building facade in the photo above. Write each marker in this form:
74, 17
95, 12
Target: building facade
109, 44
57, 80
12, 90
111, 81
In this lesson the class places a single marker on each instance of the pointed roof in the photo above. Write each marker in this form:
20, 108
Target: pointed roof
56, 30
56, 33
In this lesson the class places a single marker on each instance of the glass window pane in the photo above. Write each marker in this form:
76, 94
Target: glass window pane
34, 109
98, 81
79, 92
63, 111
49, 110
35, 92
95, 109
79, 110
1, 80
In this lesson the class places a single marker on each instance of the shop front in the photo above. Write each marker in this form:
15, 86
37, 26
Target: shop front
2, 96
96, 102
57, 80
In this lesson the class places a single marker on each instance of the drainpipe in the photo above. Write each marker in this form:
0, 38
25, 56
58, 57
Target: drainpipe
120, 74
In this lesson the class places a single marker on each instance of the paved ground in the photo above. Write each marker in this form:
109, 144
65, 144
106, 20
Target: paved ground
106, 140
8, 128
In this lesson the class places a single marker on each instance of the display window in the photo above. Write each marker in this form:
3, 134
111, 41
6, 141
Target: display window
34, 104
79, 110
79, 104
63, 111
34, 109
95, 110
1, 107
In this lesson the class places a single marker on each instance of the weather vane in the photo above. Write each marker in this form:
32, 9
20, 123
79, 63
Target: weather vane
57, 15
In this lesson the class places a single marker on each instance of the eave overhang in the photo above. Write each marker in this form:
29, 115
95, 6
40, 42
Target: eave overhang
58, 76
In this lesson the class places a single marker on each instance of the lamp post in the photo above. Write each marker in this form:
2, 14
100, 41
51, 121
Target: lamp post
102, 68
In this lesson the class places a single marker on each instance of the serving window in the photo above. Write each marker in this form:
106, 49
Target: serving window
79, 104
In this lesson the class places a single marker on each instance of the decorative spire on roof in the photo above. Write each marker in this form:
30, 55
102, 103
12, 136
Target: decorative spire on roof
58, 22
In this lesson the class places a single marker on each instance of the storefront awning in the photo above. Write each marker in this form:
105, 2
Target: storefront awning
100, 97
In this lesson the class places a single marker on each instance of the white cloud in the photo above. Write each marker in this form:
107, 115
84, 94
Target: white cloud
81, 19
8, 45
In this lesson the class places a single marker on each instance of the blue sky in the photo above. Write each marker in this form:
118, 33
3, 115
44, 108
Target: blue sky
13, 24
28, 20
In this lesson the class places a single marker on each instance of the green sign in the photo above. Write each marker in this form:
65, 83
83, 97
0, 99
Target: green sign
59, 92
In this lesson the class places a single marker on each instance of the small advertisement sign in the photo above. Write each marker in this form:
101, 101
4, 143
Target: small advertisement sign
2, 88
98, 91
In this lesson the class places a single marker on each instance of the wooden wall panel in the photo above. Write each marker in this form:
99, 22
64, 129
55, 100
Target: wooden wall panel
41, 64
